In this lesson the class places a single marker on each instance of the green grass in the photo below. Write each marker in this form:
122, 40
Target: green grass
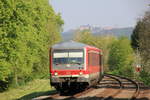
32, 89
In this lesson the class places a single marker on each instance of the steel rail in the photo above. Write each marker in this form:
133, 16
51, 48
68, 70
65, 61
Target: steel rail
120, 85
136, 93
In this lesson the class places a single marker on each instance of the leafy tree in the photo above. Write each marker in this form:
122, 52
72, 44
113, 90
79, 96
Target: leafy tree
135, 36
84, 36
27, 29
121, 57
143, 34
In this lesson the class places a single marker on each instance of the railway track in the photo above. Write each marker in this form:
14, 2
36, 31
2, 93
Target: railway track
111, 87
71, 96
125, 83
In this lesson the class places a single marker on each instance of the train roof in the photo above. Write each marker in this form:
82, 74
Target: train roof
69, 45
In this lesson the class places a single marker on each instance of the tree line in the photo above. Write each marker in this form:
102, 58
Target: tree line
27, 29
141, 44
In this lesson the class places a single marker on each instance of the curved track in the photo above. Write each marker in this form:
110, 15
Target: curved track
121, 81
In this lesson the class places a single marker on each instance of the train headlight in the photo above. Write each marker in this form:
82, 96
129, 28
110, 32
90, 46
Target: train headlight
55, 73
81, 73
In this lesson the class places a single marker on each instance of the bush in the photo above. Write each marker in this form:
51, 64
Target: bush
121, 57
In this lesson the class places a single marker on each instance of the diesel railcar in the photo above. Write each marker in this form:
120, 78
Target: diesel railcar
75, 65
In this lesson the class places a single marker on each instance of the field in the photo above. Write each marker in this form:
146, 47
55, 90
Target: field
32, 89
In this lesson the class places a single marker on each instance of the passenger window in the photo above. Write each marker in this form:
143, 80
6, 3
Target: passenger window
93, 59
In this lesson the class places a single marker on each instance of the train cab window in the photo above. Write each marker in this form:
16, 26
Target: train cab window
76, 57
60, 58
68, 58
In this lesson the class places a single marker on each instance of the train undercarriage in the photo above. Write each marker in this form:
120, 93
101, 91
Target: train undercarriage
72, 84
70, 87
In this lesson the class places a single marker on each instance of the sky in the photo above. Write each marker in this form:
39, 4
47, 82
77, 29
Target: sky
103, 13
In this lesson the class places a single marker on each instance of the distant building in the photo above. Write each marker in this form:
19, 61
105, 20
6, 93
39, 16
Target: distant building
85, 27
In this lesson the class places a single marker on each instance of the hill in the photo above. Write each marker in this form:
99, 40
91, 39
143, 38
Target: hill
127, 31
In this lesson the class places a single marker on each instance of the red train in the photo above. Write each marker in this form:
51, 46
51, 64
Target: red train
74, 65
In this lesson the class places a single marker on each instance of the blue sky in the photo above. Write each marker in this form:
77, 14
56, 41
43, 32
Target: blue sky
115, 13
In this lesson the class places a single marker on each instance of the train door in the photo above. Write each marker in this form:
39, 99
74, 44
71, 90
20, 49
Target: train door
101, 66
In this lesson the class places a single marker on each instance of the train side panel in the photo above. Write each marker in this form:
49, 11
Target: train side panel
94, 65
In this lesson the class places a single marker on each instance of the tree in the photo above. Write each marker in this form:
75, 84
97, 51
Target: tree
135, 36
143, 34
84, 36
121, 57
27, 29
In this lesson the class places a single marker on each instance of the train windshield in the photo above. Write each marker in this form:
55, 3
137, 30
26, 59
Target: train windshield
68, 58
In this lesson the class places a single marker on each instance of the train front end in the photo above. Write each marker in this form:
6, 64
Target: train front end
68, 67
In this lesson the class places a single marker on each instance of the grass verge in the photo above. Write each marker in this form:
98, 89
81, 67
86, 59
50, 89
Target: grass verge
31, 90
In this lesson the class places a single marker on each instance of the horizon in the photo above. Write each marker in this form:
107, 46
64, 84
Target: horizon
104, 13
101, 27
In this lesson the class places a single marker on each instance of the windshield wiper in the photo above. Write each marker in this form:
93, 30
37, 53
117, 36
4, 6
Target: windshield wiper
76, 63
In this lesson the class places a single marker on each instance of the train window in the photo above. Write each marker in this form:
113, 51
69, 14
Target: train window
73, 58
60, 55
60, 58
101, 62
75, 54
93, 59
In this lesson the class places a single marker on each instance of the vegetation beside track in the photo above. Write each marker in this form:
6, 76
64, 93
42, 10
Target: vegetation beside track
33, 89
27, 30
140, 41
